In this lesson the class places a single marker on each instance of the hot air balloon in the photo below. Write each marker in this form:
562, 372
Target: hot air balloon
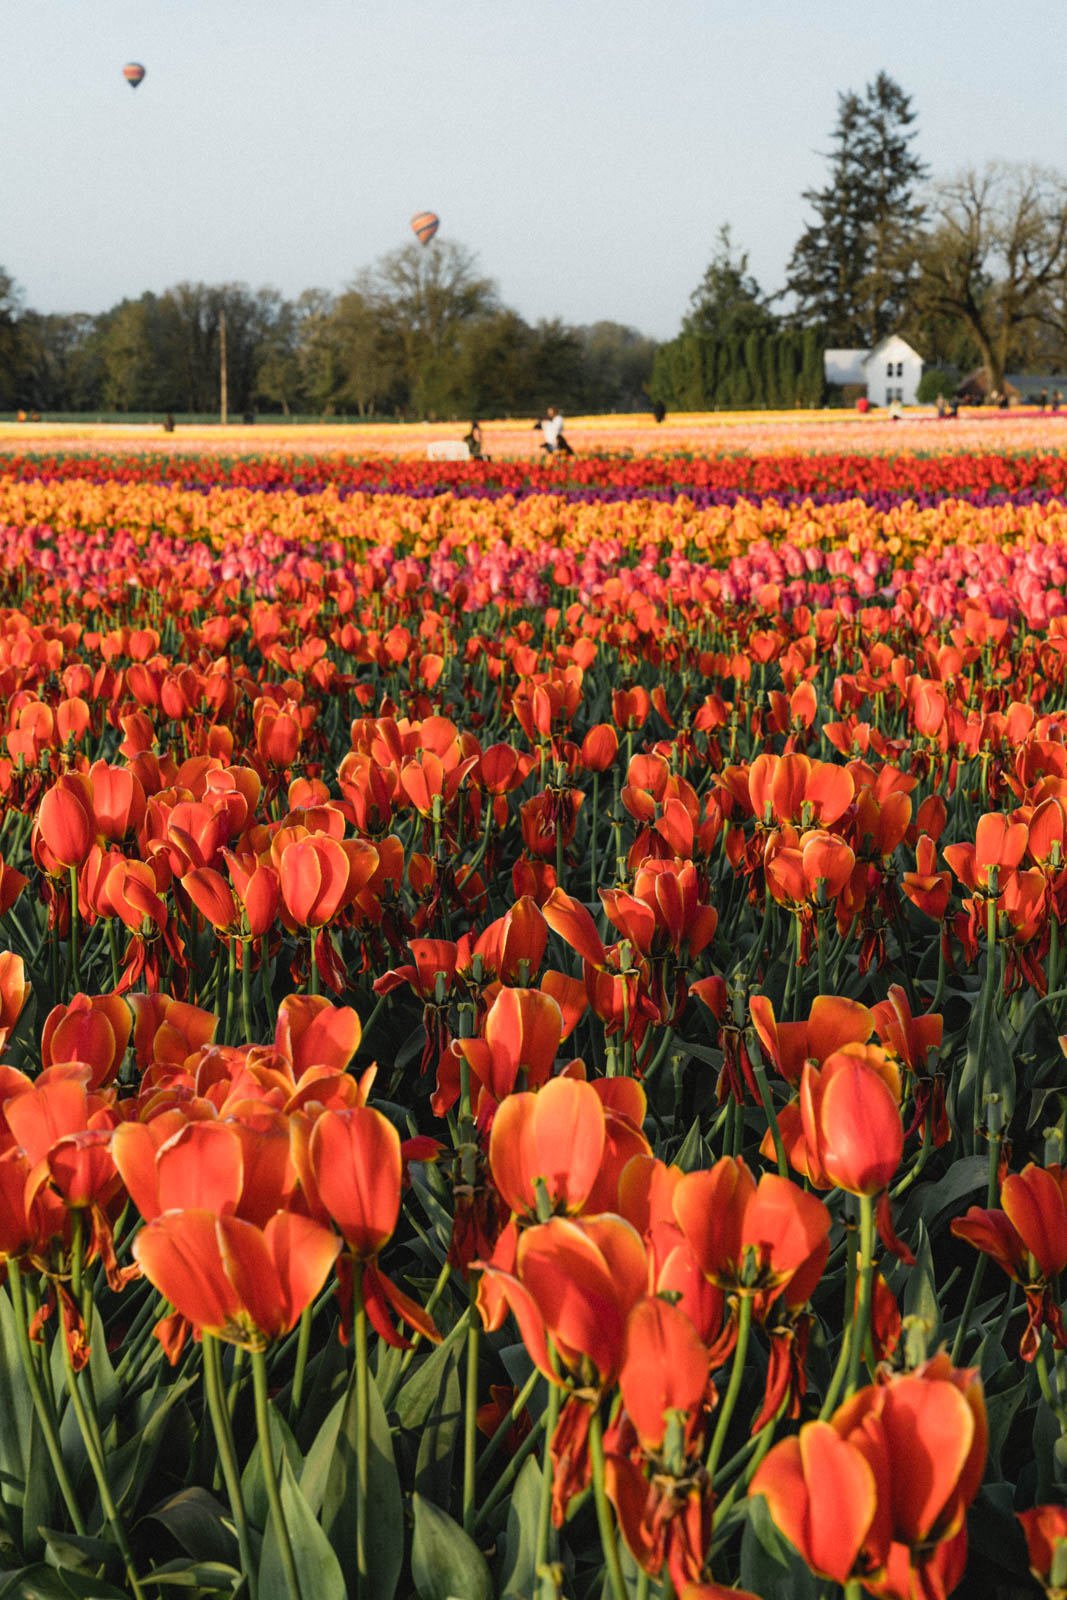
133, 72
424, 224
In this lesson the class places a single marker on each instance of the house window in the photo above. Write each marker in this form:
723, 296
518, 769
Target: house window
900, 369
889, 369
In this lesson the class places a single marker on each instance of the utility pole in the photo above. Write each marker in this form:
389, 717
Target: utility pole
223, 396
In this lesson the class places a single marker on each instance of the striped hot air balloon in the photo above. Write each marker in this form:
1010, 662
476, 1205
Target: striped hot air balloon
133, 72
424, 224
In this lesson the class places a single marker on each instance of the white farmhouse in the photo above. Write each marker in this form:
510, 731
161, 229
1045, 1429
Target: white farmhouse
891, 371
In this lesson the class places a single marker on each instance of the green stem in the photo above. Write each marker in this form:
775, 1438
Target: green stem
545, 1507
843, 1355
114, 1521
75, 961
45, 1415
759, 1447
521, 1399
744, 1325
246, 990
470, 1414
313, 971
608, 1539
510, 1473
220, 1422
594, 819
231, 989
362, 1377
987, 1012
113, 948
757, 948
863, 1309
270, 1473
980, 1265
759, 1072
303, 1341
820, 947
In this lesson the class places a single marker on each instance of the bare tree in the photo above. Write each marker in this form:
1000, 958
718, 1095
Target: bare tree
993, 256
422, 298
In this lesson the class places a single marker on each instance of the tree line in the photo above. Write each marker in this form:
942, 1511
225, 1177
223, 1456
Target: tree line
420, 334
971, 269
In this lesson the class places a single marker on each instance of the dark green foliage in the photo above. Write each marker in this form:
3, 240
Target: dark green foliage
850, 267
774, 368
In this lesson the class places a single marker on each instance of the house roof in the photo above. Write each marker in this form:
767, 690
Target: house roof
891, 339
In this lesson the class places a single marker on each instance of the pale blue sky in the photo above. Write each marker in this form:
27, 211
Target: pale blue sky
586, 150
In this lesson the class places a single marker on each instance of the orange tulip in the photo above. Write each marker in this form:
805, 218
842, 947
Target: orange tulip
350, 1172
880, 1491
549, 1143
1045, 1528
91, 1028
243, 1284
12, 884
519, 1044
65, 830
14, 992
1027, 1238
575, 1283
850, 1113
749, 1238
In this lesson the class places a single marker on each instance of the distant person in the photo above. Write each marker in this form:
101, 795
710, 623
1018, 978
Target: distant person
1057, 399
473, 441
168, 423
942, 407
1044, 401
553, 440
659, 411
249, 419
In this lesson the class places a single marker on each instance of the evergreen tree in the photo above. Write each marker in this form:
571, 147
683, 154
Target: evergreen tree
849, 268
728, 300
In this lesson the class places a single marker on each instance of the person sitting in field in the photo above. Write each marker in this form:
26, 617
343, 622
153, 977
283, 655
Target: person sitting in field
473, 441
552, 437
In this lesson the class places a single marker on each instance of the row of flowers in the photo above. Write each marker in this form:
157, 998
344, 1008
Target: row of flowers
621, 1223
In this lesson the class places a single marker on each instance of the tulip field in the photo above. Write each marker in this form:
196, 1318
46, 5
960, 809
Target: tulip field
533, 1010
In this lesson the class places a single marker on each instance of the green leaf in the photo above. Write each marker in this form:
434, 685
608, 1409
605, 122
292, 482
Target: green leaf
440, 1430
46, 1583
206, 1577
199, 1523
692, 1153
934, 1202
416, 1399
18, 1407
319, 1459
520, 1540
385, 1553
920, 1288
770, 1567
517, 1364
41, 1492
438, 1218
130, 1466
1003, 1397
253, 1483
77, 1552
446, 1564
317, 1567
